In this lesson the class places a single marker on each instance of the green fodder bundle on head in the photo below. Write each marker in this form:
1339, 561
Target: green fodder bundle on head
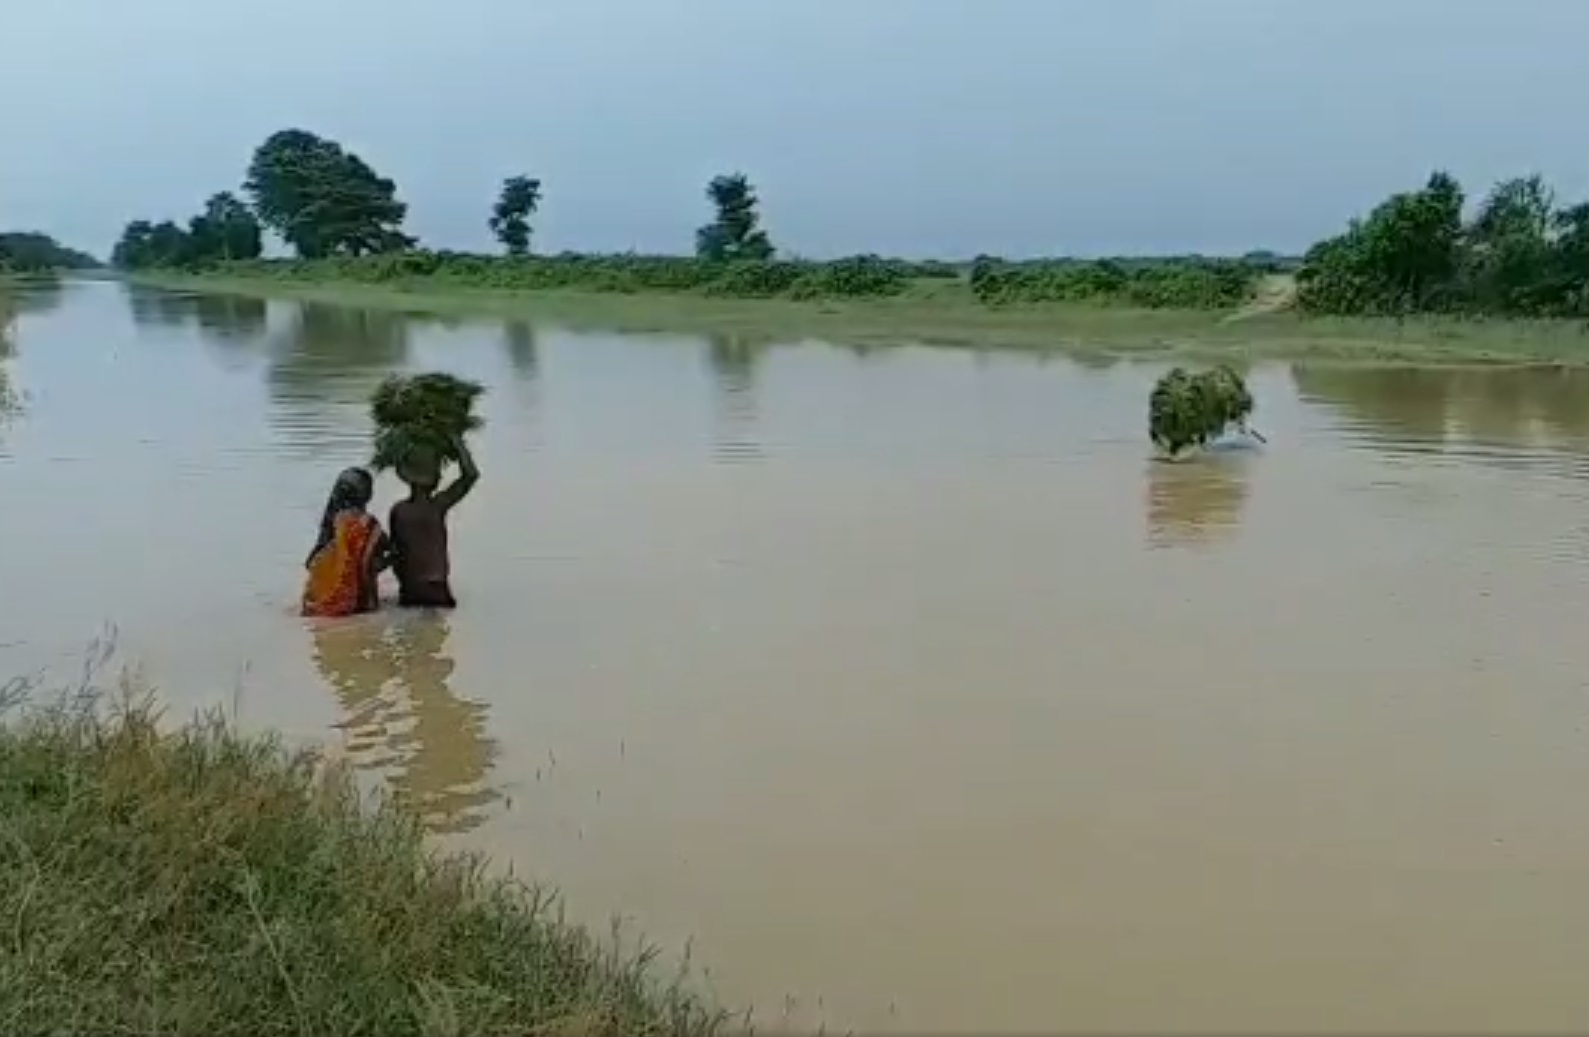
1187, 410
422, 413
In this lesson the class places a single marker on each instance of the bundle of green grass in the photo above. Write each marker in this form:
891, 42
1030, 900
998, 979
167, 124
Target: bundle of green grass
1188, 410
422, 415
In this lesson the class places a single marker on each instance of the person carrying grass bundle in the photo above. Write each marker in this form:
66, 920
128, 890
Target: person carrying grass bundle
420, 421
421, 559
349, 553
1191, 410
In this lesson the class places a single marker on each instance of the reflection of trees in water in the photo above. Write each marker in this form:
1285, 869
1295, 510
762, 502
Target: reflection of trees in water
37, 294
735, 361
862, 350
157, 308
229, 318
10, 400
324, 364
1473, 403
518, 338
324, 344
233, 318
391, 676
1195, 501
1086, 359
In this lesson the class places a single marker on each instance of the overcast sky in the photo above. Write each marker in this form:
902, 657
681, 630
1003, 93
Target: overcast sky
913, 127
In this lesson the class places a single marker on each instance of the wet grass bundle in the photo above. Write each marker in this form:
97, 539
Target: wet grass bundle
1189, 410
422, 414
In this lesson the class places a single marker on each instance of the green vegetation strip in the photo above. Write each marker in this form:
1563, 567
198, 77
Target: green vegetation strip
201, 881
1419, 279
1205, 285
931, 312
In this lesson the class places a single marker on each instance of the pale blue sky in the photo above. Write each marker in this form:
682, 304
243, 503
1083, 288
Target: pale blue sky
915, 127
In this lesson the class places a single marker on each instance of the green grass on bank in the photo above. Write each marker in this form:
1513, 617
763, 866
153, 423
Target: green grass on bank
938, 311
203, 882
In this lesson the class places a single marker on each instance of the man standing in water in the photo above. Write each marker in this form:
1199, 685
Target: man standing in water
418, 528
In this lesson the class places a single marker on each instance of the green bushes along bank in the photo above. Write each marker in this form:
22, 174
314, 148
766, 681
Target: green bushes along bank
205, 882
1519, 253
1169, 284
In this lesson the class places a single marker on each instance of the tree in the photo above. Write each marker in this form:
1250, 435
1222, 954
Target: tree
322, 199
133, 245
144, 244
1511, 249
735, 233
1401, 258
510, 217
35, 252
226, 230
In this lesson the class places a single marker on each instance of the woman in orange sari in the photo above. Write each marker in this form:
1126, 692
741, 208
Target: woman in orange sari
351, 550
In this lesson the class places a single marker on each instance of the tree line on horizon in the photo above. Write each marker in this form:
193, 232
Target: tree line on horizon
33, 252
1520, 253
323, 201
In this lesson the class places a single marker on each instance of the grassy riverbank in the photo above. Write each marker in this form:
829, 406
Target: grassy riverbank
944, 312
205, 882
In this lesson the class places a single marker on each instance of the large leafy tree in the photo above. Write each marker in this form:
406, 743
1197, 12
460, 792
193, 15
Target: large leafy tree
1401, 258
322, 199
519, 199
735, 233
1511, 248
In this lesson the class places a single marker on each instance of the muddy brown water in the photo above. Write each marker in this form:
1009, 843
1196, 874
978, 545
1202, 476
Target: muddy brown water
899, 682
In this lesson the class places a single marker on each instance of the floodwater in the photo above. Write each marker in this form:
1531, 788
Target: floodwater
899, 683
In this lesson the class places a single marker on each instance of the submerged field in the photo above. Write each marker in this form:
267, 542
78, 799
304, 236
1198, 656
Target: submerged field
943, 309
827, 664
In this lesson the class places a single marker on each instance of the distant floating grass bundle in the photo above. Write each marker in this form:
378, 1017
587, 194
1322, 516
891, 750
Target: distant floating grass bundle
421, 415
1189, 410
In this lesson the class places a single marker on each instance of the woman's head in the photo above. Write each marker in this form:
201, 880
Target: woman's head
351, 492
354, 488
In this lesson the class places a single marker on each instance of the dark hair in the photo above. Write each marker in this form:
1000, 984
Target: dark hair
353, 489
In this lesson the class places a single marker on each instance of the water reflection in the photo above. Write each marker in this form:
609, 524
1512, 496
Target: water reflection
735, 360
234, 318
156, 309
391, 674
518, 338
324, 364
323, 344
1086, 360
1437, 407
1195, 502
10, 399
226, 322
37, 294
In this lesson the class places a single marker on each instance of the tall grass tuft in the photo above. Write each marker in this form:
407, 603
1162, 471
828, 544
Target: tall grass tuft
199, 881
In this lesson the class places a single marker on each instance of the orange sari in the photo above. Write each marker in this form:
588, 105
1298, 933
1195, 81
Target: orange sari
341, 578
